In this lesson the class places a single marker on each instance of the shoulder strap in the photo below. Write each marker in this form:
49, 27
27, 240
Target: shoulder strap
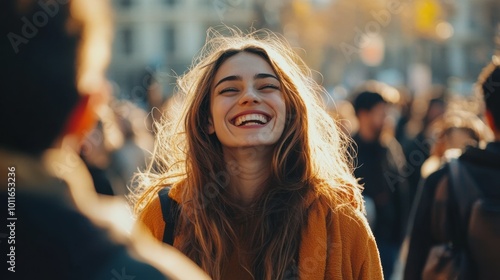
464, 190
463, 186
169, 209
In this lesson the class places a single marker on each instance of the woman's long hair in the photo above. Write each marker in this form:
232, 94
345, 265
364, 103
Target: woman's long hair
310, 155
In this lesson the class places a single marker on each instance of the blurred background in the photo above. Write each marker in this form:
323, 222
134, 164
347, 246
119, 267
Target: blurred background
422, 56
411, 43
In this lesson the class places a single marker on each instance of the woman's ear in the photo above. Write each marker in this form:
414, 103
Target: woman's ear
211, 129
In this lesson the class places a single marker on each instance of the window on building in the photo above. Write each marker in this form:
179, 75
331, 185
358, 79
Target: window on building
170, 39
127, 40
125, 3
170, 2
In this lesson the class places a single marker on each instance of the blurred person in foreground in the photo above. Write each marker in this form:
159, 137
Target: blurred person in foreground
444, 236
53, 59
258, 170
379, 166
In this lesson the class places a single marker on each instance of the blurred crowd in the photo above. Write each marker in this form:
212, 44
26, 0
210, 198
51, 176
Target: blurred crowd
399, 138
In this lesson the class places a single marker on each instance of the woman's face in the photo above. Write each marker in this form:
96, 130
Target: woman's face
247, 105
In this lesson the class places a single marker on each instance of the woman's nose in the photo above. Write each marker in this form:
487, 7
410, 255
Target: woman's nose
249, 96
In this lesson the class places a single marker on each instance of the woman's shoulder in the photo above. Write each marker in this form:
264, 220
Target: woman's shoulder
343, 225
152, 209
340, 207
336, 197
151, 216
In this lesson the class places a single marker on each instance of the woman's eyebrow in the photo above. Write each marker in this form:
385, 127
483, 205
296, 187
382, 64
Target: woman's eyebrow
229, 78
265, 75
239, 78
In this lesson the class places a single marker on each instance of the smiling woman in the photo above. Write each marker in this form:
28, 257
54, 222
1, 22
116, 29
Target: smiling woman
247, 105
261, 184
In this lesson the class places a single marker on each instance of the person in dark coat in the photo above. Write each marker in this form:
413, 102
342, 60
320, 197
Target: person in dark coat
379, 167
483, 167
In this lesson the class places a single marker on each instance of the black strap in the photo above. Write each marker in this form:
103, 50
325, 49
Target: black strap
465, 191
169, 209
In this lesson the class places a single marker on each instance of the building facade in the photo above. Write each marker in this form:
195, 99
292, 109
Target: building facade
159, 38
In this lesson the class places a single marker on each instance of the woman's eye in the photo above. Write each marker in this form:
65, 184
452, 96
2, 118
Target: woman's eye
269, 86
231, 89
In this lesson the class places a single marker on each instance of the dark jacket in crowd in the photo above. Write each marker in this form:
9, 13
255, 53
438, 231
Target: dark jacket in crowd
484, 168
379, 168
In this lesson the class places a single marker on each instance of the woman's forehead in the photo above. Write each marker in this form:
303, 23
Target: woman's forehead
244, 64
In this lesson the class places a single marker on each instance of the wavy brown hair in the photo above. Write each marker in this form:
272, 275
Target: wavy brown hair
309, 156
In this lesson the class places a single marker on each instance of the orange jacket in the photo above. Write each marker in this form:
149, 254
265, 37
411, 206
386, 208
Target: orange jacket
342, 247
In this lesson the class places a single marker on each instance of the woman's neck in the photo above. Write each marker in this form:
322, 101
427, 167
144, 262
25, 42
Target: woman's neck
249, 170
